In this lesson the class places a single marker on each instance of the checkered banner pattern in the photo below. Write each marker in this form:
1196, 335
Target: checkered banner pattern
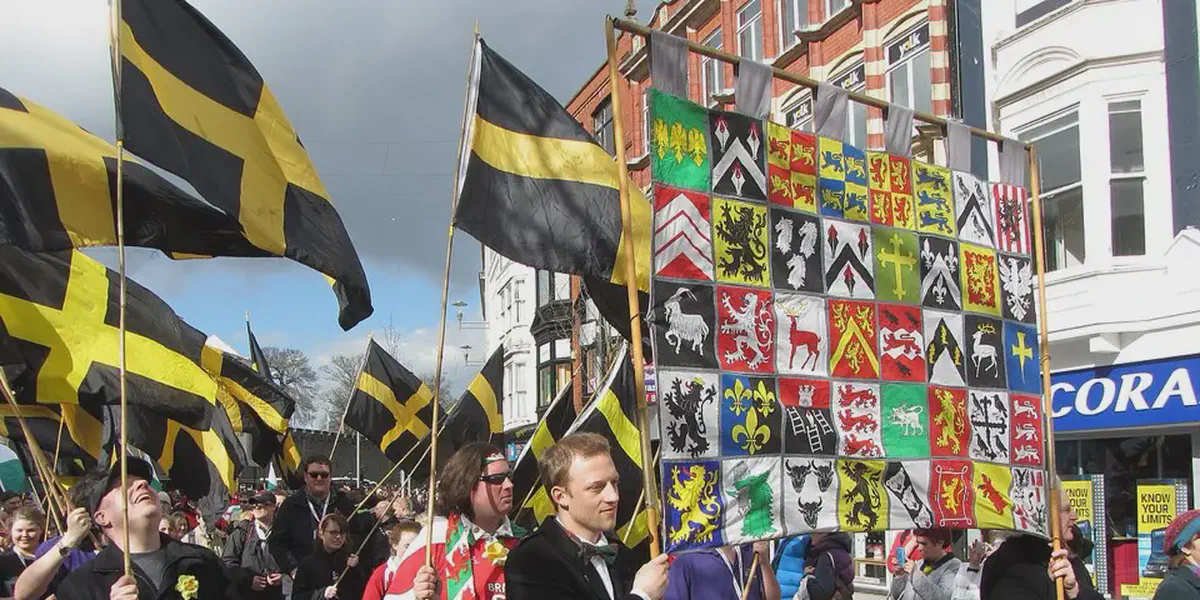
844, 340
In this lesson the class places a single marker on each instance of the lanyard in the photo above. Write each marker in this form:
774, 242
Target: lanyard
734, 572
320, 517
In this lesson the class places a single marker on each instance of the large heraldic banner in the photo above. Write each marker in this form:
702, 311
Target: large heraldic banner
845, 340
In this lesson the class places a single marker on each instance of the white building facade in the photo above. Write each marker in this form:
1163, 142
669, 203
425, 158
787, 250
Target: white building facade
1086, 81
523, 309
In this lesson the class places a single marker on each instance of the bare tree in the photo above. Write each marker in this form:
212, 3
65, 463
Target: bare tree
340, 373
292, 370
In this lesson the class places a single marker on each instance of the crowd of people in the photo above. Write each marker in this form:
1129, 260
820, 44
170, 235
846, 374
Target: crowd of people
320, 542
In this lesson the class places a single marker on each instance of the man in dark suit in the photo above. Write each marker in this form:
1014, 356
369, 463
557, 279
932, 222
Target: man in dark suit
572, 554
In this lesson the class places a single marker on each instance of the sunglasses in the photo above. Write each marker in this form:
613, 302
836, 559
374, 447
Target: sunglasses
319, 474
496, 478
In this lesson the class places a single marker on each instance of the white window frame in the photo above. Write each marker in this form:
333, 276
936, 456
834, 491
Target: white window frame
760, 51
1049, 195
1130, 176
646, 120
802, 97
716, 66
830, 10
906, 64
787, 31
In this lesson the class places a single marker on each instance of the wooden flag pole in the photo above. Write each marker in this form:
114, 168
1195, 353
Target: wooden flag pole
625, 538
750, 581
630, 257
1039, 251
441, 347
391, 472
345, 409
35, 450
115, 32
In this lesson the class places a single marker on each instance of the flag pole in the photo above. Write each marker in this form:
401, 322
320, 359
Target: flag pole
437, 376
390, 473
35, 451
342, 422
1044, 341
635, 327
115, 32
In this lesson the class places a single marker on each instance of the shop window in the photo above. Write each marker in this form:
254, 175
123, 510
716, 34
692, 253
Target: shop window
1057, 145
1031, 10
546, 387
602, 125
1128, 164
712, 70
793, 16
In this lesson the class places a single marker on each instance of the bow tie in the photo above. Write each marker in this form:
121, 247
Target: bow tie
608, 552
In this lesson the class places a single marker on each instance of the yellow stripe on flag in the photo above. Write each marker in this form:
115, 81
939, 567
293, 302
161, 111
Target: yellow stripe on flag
625, 431
542, 439
483, 392
635, 531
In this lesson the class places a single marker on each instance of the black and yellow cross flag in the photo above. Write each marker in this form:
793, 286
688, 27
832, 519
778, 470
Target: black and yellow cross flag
536, 187
258, 358
59, 311
193, 104
390, 406
288, 454
203, 464
59, 192
71, 433
479, 414
527, 489
258, 409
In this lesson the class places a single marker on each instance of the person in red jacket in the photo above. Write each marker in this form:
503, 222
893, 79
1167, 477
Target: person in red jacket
401, 534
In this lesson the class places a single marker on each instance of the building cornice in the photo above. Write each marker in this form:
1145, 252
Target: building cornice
1076, 69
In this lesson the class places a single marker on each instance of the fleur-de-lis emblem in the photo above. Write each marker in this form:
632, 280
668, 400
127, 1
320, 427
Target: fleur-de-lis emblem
764, 398
751, 436
740, 396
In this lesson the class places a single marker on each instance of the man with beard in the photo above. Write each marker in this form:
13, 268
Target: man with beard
471, 536
162, 566
573, 554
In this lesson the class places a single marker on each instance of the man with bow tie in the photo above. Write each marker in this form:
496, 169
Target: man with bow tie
573, 554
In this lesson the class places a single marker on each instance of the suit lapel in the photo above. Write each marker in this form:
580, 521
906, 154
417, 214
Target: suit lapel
585, 573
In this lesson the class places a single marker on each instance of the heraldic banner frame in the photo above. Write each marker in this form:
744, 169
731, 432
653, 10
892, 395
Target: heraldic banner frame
742, 383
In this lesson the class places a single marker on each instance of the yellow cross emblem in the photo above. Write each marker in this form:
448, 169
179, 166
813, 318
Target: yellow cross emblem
405, 413
898, 262
78, 337
1022, 352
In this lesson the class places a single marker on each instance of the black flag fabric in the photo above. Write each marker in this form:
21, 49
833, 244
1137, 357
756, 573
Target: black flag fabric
60, 312
258, 358
191, 102
536, 187
58, 191
390, 406
532, 501
69, 432
258, 409
204, 465
478, 416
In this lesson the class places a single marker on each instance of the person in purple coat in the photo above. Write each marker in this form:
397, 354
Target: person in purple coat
722, 573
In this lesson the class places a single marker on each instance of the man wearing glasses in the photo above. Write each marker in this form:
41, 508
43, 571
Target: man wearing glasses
471, 536
291, 538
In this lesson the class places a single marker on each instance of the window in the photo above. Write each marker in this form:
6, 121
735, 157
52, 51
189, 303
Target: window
799, 115
793, 15
552, 286
1031, 10
750, 31
856, 117
602, 125
712, 71
909, 81
543, 287
832, 7
1128, 165
515, 312
1062, 193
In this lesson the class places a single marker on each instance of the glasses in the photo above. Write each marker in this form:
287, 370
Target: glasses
496, 478
318, 474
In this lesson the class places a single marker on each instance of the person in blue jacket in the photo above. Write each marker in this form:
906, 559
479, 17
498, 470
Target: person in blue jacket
789, 564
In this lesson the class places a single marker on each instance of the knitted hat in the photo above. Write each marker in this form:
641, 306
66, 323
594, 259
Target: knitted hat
1182, 530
